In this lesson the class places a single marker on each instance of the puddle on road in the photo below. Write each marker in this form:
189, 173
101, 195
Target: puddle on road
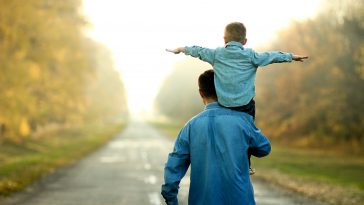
147, 166
154, 198
151, 179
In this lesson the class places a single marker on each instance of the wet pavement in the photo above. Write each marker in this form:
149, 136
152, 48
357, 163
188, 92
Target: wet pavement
128, 170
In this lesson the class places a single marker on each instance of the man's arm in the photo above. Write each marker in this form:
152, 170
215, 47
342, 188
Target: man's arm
176, 167
204, 54
259, 145
266, 58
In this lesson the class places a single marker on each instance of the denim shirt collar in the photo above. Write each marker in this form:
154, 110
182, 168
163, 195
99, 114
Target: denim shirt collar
212, 105
234, 43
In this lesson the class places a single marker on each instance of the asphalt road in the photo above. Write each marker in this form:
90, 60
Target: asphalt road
128, 170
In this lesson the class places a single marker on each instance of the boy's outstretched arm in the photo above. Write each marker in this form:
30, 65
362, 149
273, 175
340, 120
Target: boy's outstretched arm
177, 50
204, 54
299, 57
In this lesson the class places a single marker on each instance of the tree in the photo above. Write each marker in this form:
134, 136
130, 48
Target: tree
319, 99
178, 97
105, 95
47, 64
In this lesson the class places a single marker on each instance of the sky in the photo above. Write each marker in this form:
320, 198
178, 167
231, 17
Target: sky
137, 32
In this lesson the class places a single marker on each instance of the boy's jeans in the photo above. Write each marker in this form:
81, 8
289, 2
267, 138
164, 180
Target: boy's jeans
249, 109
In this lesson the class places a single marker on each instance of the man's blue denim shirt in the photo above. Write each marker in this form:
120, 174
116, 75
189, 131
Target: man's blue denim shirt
235, 70
215, 143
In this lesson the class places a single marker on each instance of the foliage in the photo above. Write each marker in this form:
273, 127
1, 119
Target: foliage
48, 67
178, 97
105, 93
321, 98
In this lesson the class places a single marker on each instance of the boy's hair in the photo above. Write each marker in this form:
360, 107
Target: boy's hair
235, 31
207, 85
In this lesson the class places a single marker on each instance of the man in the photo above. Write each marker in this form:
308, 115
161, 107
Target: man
215, 142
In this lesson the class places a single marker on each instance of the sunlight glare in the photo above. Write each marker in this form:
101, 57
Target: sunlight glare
138, 32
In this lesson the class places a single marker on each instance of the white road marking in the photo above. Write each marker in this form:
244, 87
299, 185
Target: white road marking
130, 144
144, 155
111, 159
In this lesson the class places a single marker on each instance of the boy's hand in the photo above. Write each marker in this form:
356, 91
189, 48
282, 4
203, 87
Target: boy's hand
176, 51
299, 58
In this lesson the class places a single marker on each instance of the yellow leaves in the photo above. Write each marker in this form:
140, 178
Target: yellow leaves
9, 93
303, 142
8, 185
24, 128
20, 54
46, 62
60, 55
34, 71
336, 72
81, 106
360, 70
319, 99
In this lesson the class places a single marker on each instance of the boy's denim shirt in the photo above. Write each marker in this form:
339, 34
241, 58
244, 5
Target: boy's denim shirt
235, 69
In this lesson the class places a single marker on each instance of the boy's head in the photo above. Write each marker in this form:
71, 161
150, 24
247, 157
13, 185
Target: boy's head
206, 86
235, 31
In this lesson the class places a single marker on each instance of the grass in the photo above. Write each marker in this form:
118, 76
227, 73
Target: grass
328, 175
22, 164
333, 177
336, 168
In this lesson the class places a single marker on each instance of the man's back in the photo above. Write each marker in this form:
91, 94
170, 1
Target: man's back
216, 143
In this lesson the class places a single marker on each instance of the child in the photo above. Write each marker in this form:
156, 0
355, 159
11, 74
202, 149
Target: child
235, 68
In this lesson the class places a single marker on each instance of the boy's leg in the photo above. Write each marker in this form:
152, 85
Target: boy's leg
249, 109
251, 170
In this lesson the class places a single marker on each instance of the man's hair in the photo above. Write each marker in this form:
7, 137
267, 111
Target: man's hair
235, 31
207, 85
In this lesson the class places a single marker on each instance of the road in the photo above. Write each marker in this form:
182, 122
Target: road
128, 170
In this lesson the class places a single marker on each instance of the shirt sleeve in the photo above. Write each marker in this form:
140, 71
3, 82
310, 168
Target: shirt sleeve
204, 54
259, 145
266, 58
176, 167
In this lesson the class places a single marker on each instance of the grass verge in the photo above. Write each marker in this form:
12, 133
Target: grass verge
336, 178
330, 176
22, 164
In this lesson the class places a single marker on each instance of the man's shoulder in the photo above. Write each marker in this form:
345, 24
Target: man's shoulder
223, 118
219, 111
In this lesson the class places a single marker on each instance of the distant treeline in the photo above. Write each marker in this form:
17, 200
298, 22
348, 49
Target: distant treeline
320, 98
323, 97
50, 72
178, 97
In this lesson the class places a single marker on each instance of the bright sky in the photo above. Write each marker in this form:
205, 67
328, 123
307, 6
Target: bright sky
139, 31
